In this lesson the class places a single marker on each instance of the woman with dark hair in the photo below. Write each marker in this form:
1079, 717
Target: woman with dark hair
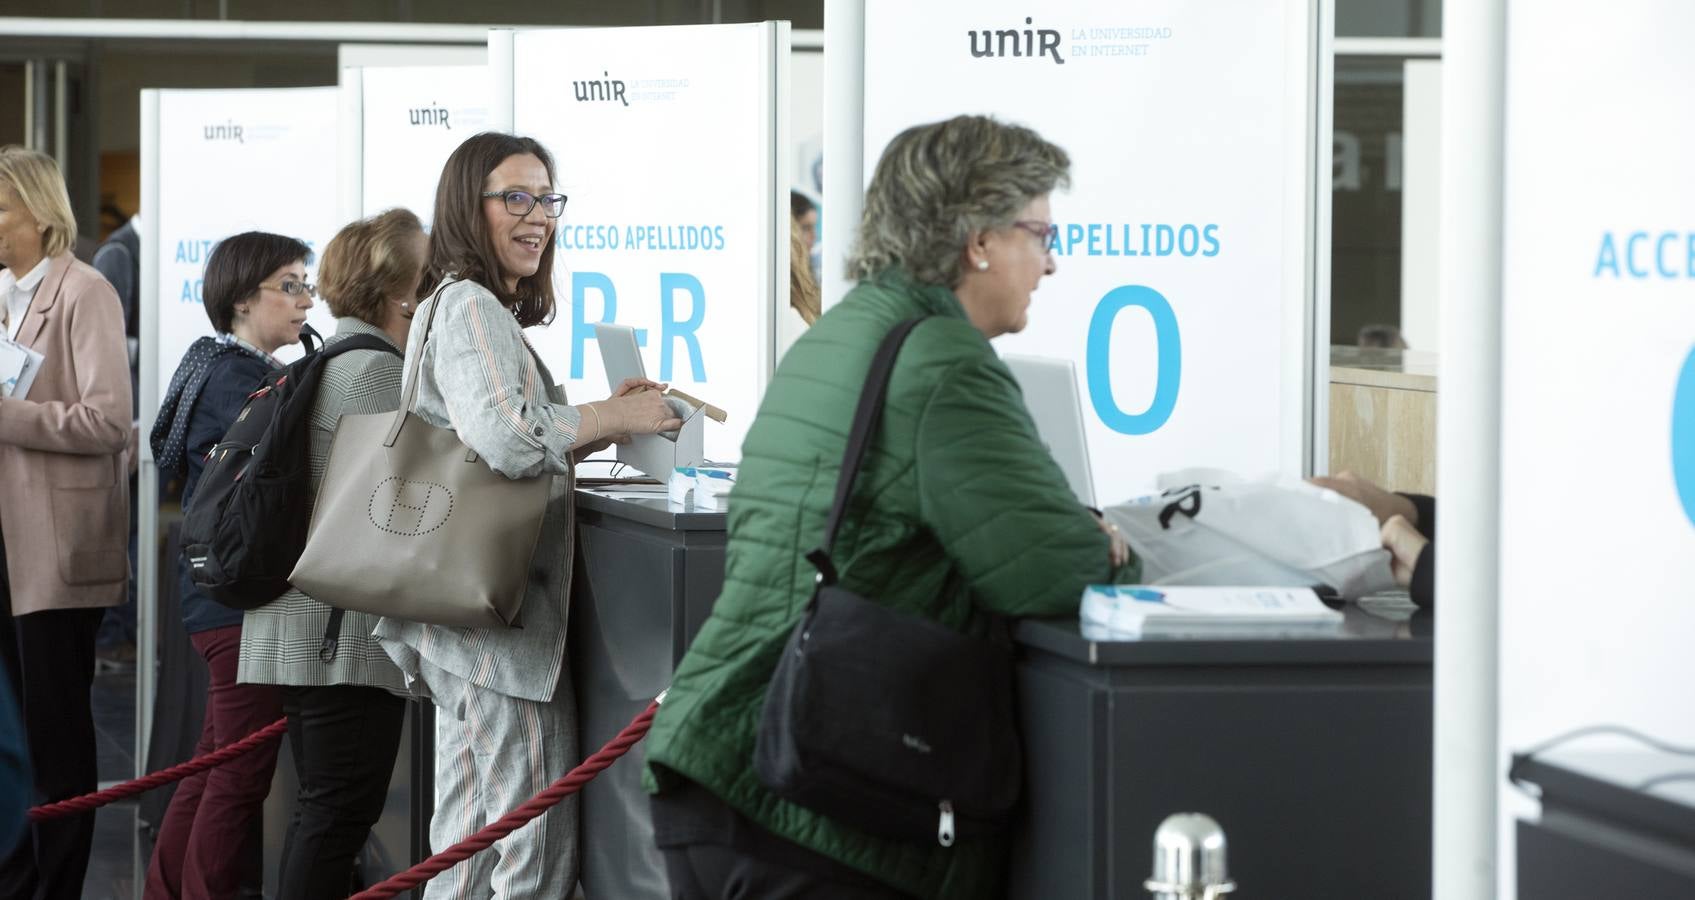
343, 697
506, 721
256, 296
958, 514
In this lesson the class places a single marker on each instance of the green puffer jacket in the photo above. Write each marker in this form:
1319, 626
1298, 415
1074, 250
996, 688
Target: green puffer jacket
958, 510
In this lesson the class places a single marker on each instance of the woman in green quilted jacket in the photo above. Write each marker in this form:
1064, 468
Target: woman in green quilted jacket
958, 512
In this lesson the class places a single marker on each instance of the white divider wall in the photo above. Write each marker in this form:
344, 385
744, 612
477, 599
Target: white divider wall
401, 124
213, 163
231, 161
1182, 291
1597, 529
672, 145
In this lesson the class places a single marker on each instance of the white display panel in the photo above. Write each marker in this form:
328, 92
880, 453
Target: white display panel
1597, 536
411, 118
667, 144
230, 161
1181, 291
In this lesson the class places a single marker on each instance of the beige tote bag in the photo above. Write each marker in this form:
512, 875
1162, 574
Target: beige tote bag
410, 524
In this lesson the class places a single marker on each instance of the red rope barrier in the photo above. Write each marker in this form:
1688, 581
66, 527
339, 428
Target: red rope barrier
540, 803
90, 802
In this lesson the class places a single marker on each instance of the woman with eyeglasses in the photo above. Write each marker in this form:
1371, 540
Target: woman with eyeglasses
256, 295
505, 715
958, 515
345, 701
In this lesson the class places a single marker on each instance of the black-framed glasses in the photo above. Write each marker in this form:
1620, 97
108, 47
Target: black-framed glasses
519, 203
291, 288
1045, 232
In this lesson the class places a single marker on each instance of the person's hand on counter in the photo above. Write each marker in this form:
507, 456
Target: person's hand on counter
1118, 549
637, 406
1383, 504
1405, 545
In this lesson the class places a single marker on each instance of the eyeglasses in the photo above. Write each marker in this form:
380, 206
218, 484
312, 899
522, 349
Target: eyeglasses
519, 203
1043, 231
292, 288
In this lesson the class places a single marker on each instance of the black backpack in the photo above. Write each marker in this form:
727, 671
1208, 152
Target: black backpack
246, 526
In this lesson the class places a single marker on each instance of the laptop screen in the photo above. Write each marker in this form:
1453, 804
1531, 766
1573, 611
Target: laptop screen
1050, 393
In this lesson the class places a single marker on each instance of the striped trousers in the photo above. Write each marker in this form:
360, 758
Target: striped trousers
494, 752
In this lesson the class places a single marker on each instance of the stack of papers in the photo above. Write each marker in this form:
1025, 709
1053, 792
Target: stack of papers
1131, 612
18, 366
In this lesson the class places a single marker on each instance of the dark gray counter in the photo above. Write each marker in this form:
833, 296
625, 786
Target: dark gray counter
1614, 823
643, 508
646, 580
1312, 753
1363, 638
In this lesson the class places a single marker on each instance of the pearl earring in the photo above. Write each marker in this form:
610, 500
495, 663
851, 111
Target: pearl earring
982, 265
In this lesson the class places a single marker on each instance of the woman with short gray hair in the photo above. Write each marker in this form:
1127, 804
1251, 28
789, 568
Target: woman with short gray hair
958, 513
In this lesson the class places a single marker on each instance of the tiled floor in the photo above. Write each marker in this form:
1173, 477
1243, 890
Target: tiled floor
111, 869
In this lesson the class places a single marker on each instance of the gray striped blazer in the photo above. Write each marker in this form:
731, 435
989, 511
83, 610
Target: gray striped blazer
480, 378
280, 640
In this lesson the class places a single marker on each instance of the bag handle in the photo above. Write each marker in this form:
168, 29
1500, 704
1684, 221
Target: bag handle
413, 368
865, 418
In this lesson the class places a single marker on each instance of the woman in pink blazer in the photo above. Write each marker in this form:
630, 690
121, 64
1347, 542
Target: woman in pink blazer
64, 506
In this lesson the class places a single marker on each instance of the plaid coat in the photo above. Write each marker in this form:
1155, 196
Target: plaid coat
280, 640
480, 378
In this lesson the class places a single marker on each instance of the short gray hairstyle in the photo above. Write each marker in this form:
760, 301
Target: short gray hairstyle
938, 183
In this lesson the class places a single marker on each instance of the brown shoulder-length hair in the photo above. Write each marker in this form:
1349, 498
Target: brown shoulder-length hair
459, 239
803, 288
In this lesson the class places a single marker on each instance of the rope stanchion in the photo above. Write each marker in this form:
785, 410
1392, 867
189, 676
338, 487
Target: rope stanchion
91, 802
512, 821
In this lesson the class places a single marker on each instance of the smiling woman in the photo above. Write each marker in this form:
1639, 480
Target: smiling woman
506, 721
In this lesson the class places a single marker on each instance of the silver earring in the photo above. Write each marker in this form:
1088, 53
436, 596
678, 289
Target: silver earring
982, 265
405, 305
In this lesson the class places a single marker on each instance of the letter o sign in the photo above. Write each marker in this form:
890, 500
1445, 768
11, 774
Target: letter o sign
1168, 346
1683, 437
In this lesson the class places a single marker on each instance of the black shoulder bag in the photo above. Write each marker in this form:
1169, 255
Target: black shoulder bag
895, 724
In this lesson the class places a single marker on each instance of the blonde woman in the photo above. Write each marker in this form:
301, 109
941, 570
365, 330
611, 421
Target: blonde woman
64, 505
344, 699
804, 303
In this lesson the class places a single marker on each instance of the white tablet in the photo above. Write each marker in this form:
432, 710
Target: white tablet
1051, 395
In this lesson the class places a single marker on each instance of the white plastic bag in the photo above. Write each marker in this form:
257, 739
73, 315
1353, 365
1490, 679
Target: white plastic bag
1282, 533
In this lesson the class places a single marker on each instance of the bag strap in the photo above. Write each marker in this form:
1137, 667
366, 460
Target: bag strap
358, 342
332, 635
332, 629
865, 419
412, 370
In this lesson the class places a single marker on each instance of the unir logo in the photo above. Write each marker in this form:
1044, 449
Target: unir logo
429, 115
608, 88
229, 131
1012, 42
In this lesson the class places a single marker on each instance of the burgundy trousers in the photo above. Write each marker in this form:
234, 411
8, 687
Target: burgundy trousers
199, 852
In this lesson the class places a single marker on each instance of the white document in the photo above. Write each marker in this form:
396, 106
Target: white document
18, 368
1128, 612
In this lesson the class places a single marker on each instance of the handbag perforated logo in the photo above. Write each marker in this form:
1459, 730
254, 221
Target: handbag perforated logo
409, 508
